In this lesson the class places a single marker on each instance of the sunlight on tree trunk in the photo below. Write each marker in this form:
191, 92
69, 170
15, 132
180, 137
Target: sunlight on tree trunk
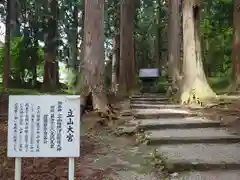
236, 49
195, 87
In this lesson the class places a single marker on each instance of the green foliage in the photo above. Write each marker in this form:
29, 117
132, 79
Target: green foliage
216, 31
220, 84
14, 52
23, 57
27, 56
146, 31
160, 86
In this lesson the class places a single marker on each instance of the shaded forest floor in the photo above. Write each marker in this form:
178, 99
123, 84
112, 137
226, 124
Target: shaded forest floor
226, 110
103, 157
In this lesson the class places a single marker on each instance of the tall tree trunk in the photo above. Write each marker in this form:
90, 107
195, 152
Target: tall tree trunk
134, 57
75, 47
11, 29
50, 80
81, 34
92, 79
115, 62
235, 48
157, 37
34, 63
174, 43
127, 80
195, 87
7, 45
73, 41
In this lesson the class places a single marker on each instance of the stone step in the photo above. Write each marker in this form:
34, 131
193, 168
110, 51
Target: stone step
186, 157
149, 102
155, 113
156, 106
209, 175
147, 95
189, 136
169, 123
149, 98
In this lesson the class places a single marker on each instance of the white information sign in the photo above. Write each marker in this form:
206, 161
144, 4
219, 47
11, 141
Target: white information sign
44, 126
149, 73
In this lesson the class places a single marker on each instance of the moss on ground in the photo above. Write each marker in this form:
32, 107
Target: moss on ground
21, 91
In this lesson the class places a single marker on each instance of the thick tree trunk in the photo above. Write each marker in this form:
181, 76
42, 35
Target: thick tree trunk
195, 87
127, 80
115, 62
174, 44
235, 48
50, 79
92, 66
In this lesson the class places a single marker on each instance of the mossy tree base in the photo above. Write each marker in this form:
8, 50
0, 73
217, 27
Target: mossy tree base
198, 93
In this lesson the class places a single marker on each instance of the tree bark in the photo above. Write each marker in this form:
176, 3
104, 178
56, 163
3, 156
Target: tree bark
73, 40
50, 79
157, 37
92, 66
7, 45
127, 80
195, 87
115, 62
235, 48
81, 34
174, 44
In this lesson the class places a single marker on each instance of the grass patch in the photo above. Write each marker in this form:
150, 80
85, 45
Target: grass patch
219, 84
20, 91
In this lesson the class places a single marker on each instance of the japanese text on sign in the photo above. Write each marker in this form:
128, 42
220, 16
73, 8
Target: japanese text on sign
40, 129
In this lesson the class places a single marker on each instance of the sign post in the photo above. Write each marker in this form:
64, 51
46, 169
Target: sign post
71, 169
44, 126
18, 168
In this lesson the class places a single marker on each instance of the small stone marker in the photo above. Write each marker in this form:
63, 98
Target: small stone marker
44, 126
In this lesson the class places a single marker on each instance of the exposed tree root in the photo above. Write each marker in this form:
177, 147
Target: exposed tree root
234, 88
173, 93
98, 102
198, 93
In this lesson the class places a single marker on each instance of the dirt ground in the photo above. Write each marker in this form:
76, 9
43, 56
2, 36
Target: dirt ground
103, 156
227, 111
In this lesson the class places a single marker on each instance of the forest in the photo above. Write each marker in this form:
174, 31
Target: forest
96, 49
46, 47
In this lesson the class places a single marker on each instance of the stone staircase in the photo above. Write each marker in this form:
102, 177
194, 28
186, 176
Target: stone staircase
195, 147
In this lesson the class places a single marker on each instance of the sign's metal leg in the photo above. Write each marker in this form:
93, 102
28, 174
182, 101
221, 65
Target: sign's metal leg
18, 168
71, 169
